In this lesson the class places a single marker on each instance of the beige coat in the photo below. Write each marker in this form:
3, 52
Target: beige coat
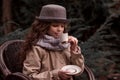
42, 64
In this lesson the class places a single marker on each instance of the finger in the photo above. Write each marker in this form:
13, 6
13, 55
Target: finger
76, 40
65, 76
72, 40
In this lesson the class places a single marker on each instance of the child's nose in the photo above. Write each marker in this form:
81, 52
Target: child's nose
60, 27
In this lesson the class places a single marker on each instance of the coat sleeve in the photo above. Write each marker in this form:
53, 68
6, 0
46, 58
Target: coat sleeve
32, 67
77, 58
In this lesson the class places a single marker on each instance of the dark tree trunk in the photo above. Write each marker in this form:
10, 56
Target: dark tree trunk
7, 16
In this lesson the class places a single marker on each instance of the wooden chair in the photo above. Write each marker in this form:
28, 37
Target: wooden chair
9, 59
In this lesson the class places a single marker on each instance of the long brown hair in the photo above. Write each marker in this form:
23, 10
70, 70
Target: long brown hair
38, 29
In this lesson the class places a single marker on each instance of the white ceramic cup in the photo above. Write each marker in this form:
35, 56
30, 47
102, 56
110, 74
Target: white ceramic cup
64, 38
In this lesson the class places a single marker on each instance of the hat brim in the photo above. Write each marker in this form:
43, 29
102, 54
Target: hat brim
52, 20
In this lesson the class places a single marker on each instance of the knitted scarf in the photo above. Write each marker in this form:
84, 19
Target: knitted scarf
52, 43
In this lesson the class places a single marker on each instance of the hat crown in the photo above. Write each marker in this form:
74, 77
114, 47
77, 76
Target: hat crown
52, 12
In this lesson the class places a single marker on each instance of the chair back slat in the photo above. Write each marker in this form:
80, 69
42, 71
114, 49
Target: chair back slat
11, 56
9, 52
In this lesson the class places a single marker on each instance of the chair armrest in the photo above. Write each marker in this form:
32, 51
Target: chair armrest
17, 76
90, 73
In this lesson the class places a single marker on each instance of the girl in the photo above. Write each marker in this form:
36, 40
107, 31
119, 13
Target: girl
43, 53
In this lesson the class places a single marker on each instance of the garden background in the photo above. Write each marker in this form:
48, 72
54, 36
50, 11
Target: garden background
96, 24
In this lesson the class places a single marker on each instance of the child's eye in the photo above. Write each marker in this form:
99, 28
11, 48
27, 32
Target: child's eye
62, 26
55, 25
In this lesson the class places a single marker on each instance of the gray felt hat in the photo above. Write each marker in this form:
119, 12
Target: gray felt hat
53, 12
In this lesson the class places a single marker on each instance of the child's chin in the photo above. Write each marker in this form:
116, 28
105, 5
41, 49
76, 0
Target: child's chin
57, 37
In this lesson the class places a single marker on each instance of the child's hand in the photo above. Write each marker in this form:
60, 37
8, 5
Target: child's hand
63, 75
74, 42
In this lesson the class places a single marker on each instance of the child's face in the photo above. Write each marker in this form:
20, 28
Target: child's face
56, 29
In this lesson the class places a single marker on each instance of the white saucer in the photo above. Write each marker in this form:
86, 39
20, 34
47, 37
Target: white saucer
71, 69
